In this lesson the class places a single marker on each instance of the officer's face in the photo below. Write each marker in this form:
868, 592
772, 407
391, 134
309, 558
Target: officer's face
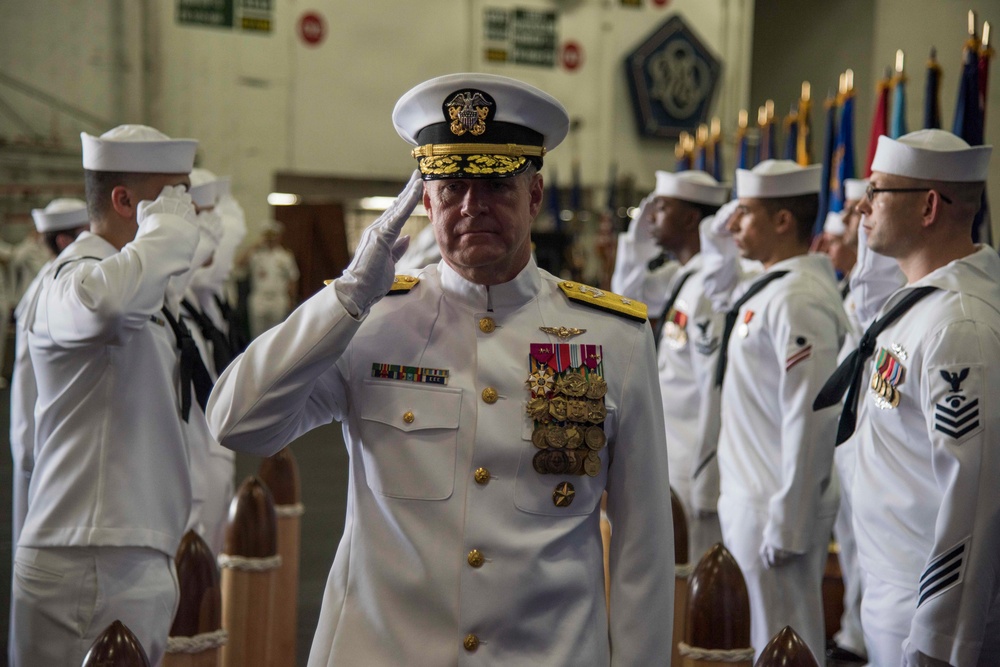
672, 219
483, 225
891, 219
753, 228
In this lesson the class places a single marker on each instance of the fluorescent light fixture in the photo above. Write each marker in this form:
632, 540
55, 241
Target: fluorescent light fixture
376, 203
282, 199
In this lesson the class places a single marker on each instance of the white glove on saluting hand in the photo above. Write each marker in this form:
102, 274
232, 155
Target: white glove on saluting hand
640, 228
370, 274
172, 200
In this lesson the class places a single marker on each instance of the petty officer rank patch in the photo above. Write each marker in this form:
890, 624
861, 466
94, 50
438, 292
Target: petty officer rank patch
798, 350
566, 389
945, 571
706, 343
955, 393
410, 373
887, 374
675, 329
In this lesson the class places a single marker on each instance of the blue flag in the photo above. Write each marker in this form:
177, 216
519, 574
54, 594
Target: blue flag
829, 142
843, 154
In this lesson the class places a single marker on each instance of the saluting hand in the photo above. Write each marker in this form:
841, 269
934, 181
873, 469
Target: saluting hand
172, 200
370, 274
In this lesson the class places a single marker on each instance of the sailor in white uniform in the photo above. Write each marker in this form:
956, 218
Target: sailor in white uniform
487, 405
687, 332
779, 492
110, 491
927, 441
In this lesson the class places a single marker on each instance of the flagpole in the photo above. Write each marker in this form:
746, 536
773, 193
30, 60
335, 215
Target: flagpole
803, 145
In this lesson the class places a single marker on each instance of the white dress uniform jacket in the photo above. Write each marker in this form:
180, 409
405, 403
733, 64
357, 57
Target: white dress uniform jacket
686, 357
928, 465
778, 487
271, 270
110, 463
402, 590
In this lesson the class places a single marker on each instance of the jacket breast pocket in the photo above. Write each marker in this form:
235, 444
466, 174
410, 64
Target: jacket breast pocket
538, 493
409, 438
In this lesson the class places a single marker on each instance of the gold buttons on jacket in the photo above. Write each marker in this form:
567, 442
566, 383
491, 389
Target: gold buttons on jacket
487, 325
490, 395
408, 417
482, 475
476, 558
471, 643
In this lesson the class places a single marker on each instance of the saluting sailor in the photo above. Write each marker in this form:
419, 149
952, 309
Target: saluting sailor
926, 505
486, 405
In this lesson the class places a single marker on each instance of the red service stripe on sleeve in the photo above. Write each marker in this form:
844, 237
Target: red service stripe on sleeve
801, 355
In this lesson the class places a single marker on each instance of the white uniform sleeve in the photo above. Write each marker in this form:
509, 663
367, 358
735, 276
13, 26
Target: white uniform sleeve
632, 277
287, 381
641, 555
99, 302
705, 357
961, 375
806, 337
873, 281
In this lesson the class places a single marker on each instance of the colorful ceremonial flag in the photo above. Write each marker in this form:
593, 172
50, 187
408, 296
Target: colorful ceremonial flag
791, 125
843, 154
829, 143
716, 139
683, 152
742, 144
932, 88
879, 122
985, 53
803, 149
701, 149
968, 112
897, 127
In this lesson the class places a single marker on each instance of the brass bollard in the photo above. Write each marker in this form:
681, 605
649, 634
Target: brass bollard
249, 564
682, 570
116, 647
718, 619
281, 475
196, 637
786, 649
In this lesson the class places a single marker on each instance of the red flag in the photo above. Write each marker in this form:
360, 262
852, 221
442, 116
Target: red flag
880, 123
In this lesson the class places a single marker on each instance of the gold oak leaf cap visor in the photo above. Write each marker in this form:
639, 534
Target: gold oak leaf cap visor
478, 126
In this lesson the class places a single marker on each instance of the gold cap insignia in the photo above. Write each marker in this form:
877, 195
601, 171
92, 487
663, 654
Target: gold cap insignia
468, 110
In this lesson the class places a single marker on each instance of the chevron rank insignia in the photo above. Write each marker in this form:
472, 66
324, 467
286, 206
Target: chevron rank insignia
604, 300
944, 572
956, 401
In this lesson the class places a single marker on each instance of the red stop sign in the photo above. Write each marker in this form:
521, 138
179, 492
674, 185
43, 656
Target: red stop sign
571, 55
312, 29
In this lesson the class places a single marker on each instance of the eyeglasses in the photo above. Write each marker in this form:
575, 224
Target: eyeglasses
872, 191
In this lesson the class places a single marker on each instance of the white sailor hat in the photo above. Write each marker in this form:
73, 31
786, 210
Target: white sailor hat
137, 149
855, 188
61, 214
478, 125
834, 223
204, 188
934, 155
691, 186
778, 178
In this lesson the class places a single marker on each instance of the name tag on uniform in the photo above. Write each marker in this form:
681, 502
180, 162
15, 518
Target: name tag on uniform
410, 373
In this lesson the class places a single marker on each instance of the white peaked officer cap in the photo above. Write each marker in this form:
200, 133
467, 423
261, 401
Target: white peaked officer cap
778, 178
834, 223
61, 214
933, 155
138, 149
478, 125
691, 186
855, 188
204, 188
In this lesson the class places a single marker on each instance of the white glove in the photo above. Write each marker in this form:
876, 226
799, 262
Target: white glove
370, 274
640, 228
720, 222
172, 200
774, 557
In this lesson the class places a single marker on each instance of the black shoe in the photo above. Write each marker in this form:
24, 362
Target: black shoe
841, 654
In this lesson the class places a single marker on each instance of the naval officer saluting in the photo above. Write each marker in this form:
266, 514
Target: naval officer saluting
486, 405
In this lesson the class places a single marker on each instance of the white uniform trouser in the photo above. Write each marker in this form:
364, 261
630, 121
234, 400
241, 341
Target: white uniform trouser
267, 310
886, 613
65, 597
850, 635
703, 529
790, 594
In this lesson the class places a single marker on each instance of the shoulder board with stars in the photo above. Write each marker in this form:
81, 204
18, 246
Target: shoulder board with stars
604, 300
401, 285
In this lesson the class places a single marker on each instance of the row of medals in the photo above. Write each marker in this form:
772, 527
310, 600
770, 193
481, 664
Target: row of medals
886, 396
568, 414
